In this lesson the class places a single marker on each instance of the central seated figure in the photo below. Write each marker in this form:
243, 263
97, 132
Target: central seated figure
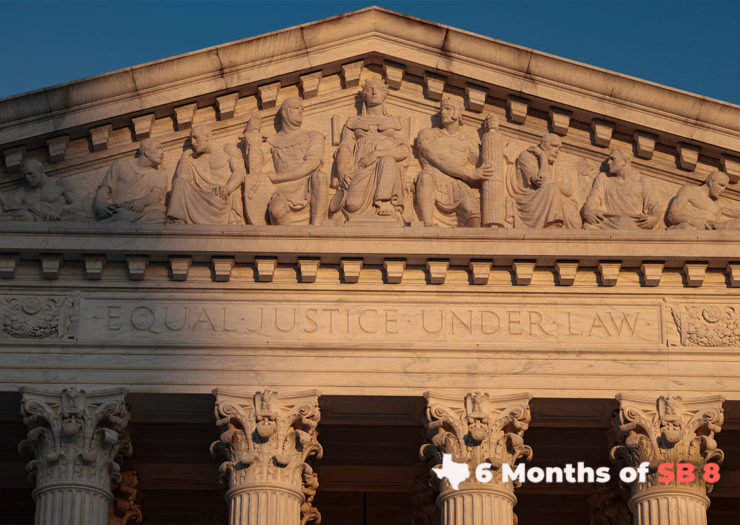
369, 159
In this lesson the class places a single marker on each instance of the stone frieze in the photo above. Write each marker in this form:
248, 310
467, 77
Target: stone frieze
46, 317
710, 325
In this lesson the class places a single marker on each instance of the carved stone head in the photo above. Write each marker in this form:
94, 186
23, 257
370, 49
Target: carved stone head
291, 112
200, 138
550, 144
717, 182
374, 92
151, 149
619, 160
33, 171
450, 110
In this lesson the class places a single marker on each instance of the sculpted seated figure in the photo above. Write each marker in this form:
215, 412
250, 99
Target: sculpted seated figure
370, 178
297, 157
449, 157
696, 207
41, 198
623, 199
196, 188
542, 197
133, 190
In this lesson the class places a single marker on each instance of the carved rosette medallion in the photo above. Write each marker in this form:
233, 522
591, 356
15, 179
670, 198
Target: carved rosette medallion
480, 429
707, 325
38, 316
76, 439
671, 430
265, 442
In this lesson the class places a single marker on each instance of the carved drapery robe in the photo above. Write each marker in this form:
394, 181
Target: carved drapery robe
382, 180
544, 206
287, 153
621, 201
127, 182
452, 195
193, 198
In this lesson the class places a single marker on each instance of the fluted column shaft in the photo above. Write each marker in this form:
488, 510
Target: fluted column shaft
670, 430
474, 430
76, 439
69, 504
669, 508
266, 505
265, 441
477, 506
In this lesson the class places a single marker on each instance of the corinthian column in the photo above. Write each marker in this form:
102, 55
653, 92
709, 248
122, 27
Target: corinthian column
265, 441
474, 430
671, 431
76, 439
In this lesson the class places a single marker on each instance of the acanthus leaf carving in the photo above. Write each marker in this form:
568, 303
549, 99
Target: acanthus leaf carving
75, 436
268, 439
479, 429
668, 430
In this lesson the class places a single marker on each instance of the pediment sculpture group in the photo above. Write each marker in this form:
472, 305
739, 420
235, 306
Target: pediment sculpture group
282, 180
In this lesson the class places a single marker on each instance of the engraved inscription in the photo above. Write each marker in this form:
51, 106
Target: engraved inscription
184, 322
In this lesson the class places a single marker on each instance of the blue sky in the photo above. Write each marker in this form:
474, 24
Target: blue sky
690, 45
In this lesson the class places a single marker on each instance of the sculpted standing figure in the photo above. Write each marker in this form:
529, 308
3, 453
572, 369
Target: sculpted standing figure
297, 157
370, 176
623, 199
696, 207
133, 190
196, 188
449, 156
42, 198
542, 198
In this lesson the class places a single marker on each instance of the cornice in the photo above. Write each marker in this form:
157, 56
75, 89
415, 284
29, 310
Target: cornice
375, 244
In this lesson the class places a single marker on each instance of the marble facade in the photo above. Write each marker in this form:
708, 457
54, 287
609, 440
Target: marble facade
362, 244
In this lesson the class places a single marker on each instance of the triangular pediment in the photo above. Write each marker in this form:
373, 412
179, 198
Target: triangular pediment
80, 128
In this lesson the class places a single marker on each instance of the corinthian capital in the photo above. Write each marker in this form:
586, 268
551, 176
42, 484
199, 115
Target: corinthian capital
669, 430
75, 436
266, 439
477, 429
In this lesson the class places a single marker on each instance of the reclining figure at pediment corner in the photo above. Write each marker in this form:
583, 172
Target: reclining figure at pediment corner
41, 198
696, 207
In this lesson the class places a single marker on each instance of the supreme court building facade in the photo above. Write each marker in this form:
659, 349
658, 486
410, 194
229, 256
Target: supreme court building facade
278, 280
